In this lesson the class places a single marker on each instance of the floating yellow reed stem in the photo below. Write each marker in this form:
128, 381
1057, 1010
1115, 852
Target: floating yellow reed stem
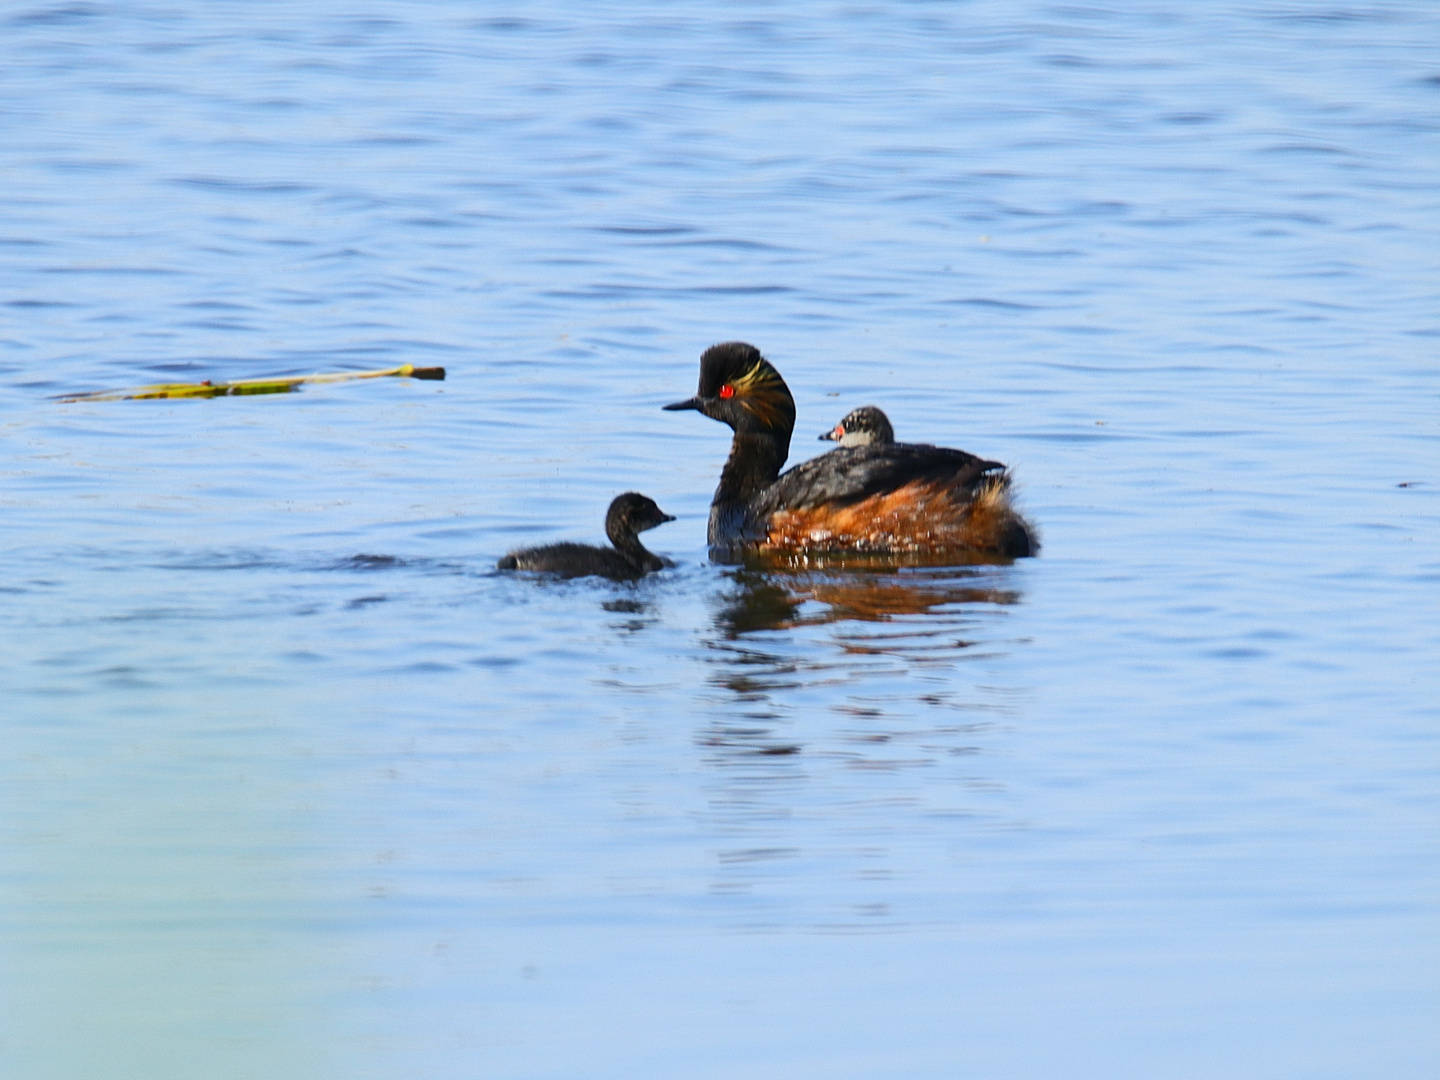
284, 385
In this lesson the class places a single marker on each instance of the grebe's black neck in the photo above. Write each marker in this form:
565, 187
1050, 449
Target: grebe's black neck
756, 458
628, 544
630, 515
739, 387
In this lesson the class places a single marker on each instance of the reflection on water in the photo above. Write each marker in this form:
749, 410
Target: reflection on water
850, 740
642, 614
779, 601
851, 645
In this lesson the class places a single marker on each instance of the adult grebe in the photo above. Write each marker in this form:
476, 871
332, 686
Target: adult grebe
893, 497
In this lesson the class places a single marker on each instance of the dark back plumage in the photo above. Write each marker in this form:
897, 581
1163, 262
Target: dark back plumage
852, 473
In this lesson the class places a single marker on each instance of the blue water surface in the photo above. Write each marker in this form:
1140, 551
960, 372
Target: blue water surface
295, 785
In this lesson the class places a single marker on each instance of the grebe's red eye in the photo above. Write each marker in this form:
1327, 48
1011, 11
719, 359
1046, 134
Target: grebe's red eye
727, 391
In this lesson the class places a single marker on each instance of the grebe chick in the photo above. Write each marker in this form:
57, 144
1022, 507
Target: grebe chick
892, 497
629, 515
862, 427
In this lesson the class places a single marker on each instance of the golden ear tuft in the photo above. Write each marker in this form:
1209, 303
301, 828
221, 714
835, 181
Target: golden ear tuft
763, 394
757, 378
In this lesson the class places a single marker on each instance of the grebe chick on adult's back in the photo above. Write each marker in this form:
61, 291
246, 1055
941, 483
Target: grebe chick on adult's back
862, 427
629, 515
895, 497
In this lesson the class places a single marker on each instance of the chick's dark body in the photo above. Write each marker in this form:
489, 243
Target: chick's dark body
629, 515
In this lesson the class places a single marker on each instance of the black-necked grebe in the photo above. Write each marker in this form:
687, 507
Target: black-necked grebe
895, 497
862, 427
629, 515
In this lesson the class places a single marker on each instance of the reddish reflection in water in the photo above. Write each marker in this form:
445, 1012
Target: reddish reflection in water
778, 601
865, 669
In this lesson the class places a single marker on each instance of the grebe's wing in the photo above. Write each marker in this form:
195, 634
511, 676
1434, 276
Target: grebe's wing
852, 473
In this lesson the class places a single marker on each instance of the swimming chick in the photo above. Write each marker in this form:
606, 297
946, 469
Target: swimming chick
861, 427
881, 497
629, 515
